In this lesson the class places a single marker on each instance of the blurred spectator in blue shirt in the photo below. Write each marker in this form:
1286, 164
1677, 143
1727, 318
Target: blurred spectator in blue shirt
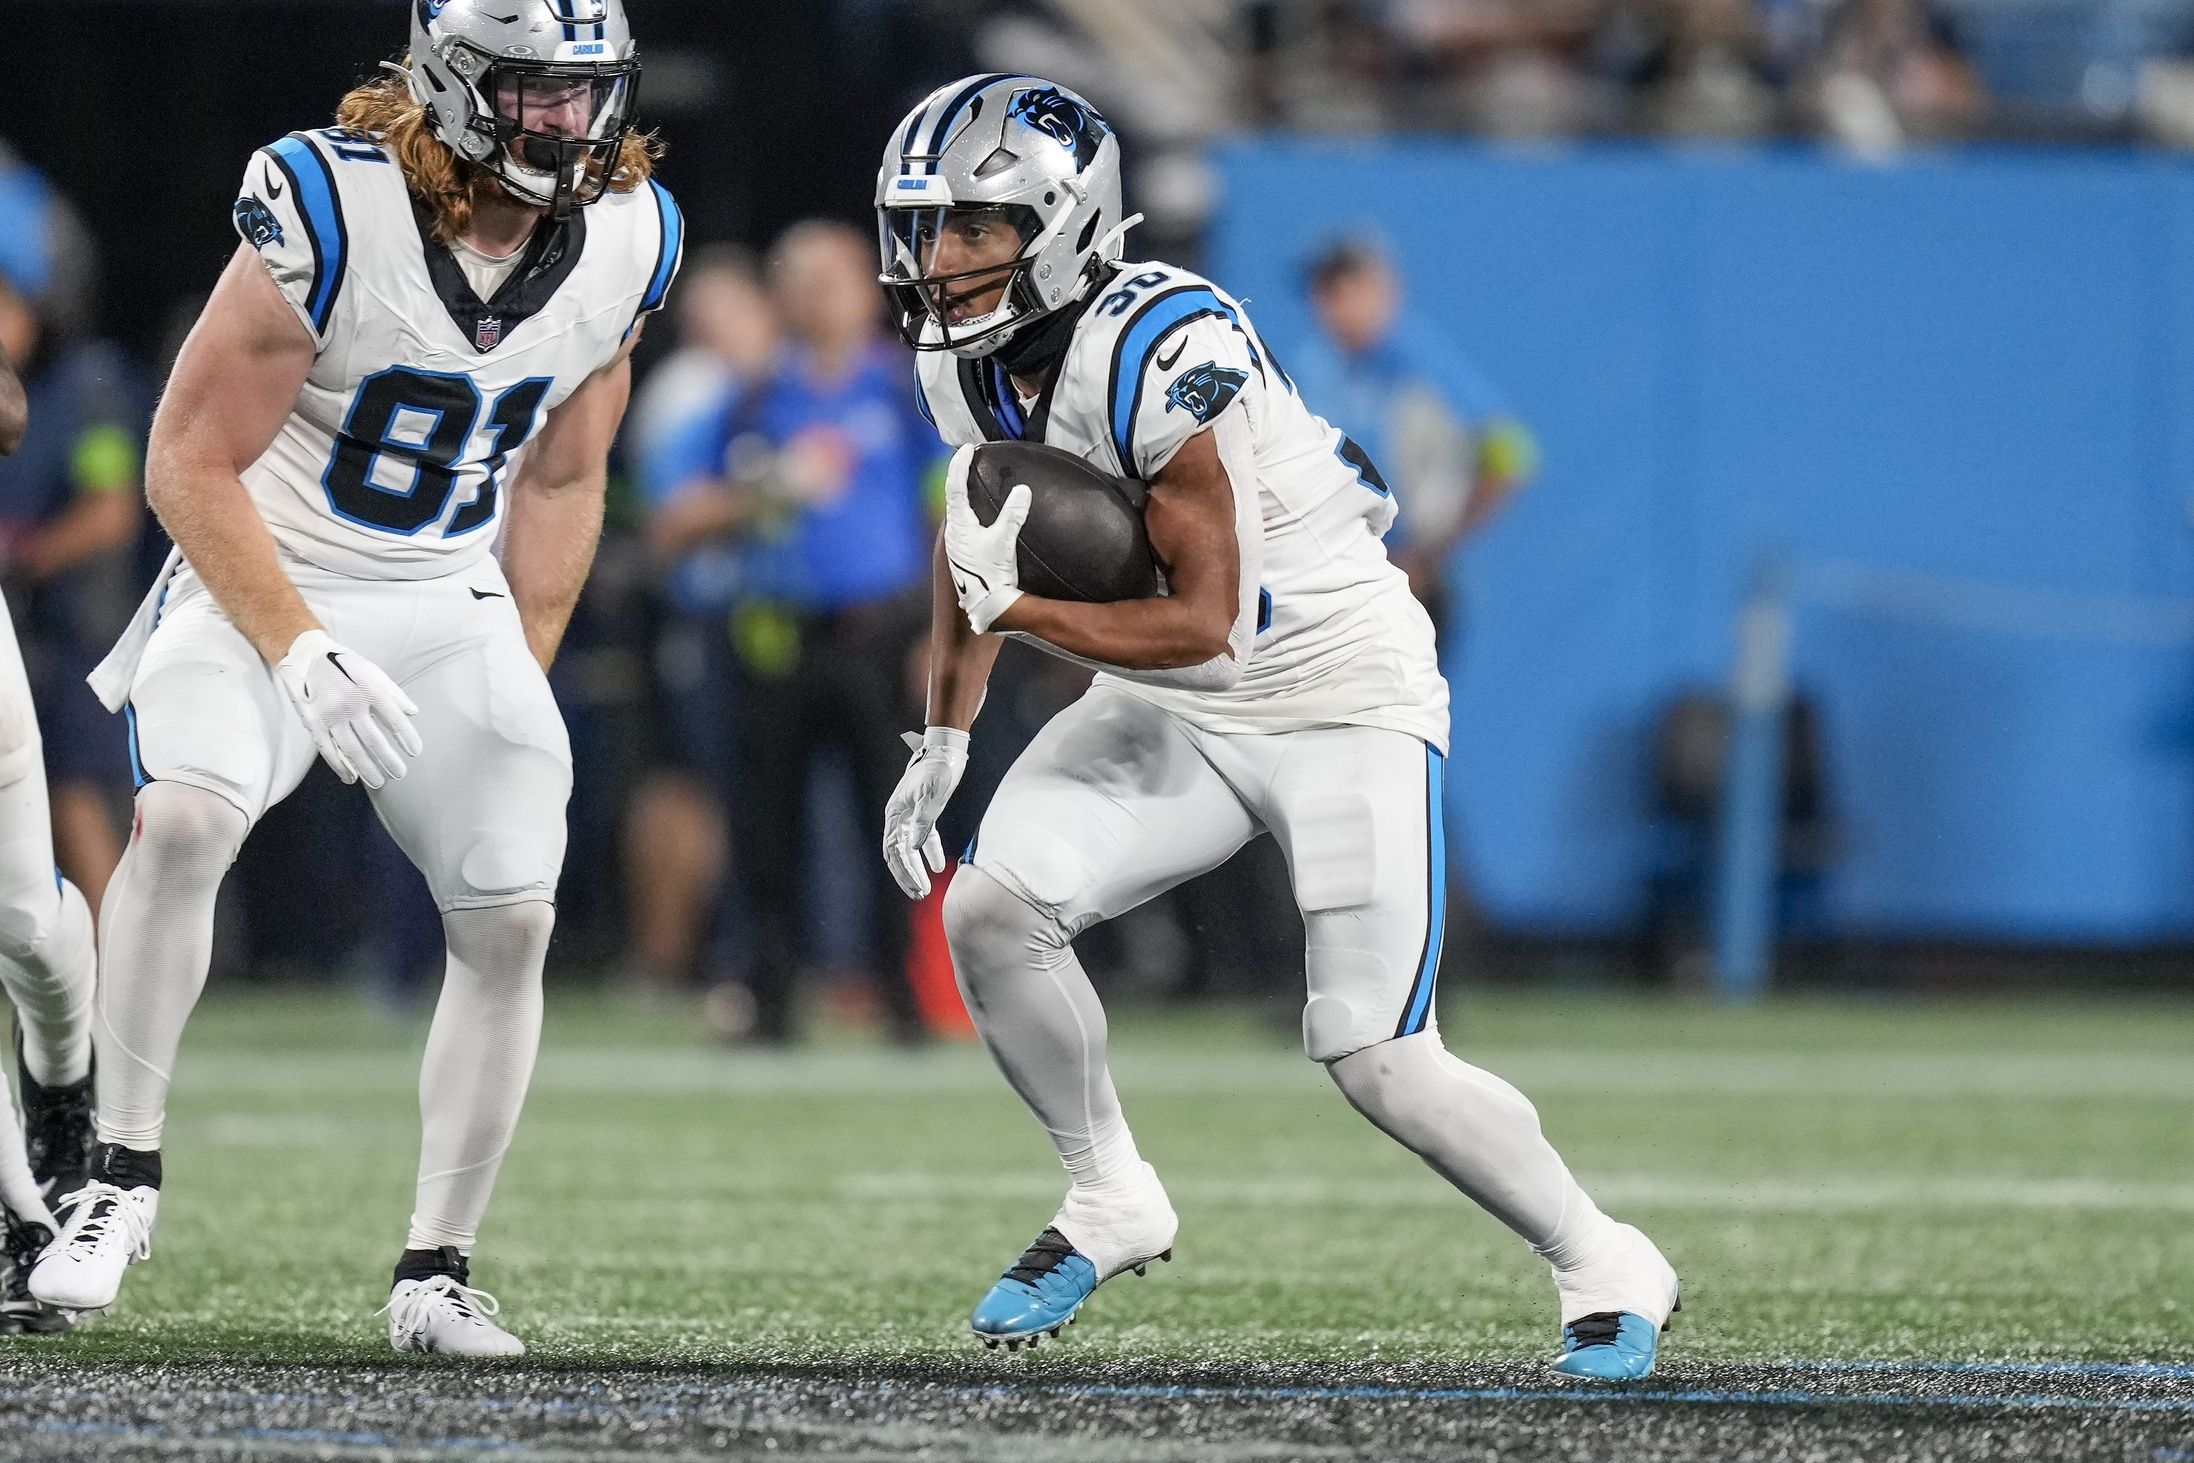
727, 336
1439, 430
70, 504
814, 477
675, 823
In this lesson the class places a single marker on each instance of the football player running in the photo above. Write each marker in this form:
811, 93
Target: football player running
46, 966
419, 349
1285, 683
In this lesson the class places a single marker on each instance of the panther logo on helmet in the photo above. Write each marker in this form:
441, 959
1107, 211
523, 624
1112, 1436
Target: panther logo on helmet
1204, 391
429, 9
1068, 122
256, 222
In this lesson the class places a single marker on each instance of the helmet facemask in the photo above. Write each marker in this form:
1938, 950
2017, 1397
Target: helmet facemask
550, 131
926, 302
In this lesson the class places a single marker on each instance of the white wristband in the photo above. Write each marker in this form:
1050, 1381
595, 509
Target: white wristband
308, 644
947, 739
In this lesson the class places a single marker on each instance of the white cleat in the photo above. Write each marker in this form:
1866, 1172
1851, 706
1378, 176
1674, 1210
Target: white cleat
444, 1316
1631, 1278
1122, 1230
104, 1231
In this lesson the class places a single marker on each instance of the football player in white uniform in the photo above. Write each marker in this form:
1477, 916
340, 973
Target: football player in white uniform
418, 351
46, 966
1285, 683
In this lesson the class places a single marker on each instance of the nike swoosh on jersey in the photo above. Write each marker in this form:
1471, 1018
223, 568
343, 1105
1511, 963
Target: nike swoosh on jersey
487, 593
1165, 363
274, 184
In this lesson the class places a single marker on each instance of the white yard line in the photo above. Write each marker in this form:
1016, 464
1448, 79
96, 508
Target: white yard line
1814, 1194
2009, 1076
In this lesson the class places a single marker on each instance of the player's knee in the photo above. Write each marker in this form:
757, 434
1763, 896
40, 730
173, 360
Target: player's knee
186, 832
989, 926
1391, 1082
510, 940
29, 914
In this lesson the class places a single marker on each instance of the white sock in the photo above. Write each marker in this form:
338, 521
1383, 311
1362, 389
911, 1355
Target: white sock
46, 959
487, 1030
1482, 1136
1045, 1028
156, 940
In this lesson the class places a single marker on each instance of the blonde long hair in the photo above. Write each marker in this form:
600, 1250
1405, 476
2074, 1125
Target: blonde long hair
447, 186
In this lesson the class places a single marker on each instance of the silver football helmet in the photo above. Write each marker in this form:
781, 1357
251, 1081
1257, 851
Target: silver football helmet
1027, 155
538, 92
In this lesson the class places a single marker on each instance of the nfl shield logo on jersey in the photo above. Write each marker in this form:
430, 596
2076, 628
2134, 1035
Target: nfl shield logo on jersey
487, 330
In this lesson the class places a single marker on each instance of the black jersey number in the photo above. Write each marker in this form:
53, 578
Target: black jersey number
408, 439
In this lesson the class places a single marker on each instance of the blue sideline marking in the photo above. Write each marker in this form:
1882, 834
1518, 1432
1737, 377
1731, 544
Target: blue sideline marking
1782, 1397
2163, 1370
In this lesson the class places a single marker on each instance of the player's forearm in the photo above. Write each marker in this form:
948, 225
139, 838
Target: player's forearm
1164, 633
960, 660
209, 513
548, 550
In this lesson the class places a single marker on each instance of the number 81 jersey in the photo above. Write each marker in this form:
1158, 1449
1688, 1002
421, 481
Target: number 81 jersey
395, 460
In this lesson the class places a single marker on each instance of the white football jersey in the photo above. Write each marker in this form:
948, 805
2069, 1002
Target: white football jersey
422, 396
1156, 358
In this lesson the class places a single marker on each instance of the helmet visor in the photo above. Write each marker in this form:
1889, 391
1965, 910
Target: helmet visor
952, 271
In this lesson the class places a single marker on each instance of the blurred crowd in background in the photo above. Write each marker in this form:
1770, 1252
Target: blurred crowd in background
1870, 74
751, 647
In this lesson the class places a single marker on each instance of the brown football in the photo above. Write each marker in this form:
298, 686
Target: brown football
1084, 539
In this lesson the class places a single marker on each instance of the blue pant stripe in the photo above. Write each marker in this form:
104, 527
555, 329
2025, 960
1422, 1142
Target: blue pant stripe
1417, 1014
137, 761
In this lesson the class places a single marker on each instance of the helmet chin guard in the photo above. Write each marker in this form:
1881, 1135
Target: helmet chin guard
1023, 153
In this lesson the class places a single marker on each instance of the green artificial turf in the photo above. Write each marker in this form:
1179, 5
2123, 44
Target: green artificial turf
1834, 1181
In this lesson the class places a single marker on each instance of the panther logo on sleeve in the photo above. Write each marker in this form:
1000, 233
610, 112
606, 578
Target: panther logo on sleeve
256, 222
1204, 391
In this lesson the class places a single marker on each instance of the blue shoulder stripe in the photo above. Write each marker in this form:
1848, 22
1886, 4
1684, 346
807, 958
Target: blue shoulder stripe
1159, 318
666, 263
321, 208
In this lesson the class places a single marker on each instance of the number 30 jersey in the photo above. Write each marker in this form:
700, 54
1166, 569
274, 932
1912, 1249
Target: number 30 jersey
1159, 355
422, 397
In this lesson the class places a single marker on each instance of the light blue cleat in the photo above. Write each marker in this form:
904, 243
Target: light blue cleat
1610, 1346
1041, 1293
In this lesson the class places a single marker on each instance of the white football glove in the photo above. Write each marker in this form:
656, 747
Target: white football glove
359, 718
984, 572
910, 818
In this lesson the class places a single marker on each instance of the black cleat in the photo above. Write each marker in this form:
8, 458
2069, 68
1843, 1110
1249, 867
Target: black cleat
21, 1241
57, 1130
